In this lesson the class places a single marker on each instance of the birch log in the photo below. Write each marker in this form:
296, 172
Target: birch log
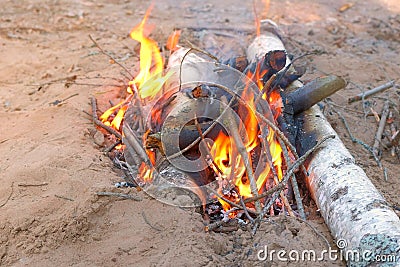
357, 215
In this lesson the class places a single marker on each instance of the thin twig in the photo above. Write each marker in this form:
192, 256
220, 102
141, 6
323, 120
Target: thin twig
99, 123
125, 196
28, 185
230, 122
113, 59
209, 159
66, 198
379, 132
271, 124
355, 140
282, 194
131, 139
285, 180
213, 226
265, 89
368, 93
148, 222
315, 231
245, 209
342, 107
9, 196
395, 135
228, 201
187, 53
110, 148
295, 186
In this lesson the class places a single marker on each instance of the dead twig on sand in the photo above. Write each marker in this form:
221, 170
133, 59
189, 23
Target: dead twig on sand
9, 196
395, 136
121, 195
381, 127
33, 185
108, 55
368, 93
148, 222
63, 197
355, 140
59, 102
315, 231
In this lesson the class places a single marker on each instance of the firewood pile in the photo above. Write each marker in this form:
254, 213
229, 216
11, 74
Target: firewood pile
217, 135
233, 138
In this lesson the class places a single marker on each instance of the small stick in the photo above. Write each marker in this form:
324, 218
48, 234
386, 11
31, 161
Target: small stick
368, 93
230, 202
138, 103
66, 198
213, 226
269, 157
295, 186
9, 196
283, 197
108, 149
99, 123
379, 132
27, 185
344, 108
113, 59
355, 140
131, 139
234, 131
285, 180
209, 159
395, 136
113, 194
265, 89
187, 53
245, 210
315, 231
148, 222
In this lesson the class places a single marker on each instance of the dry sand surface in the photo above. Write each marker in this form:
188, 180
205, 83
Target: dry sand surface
51, 166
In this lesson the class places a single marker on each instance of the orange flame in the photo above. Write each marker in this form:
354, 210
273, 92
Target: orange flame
146, 173
264, 14
149, 80
226, 156
173, 40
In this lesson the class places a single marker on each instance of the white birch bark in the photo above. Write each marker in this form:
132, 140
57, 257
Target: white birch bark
357, 215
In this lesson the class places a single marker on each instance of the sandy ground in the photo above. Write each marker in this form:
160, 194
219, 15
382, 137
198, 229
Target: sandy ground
51, 166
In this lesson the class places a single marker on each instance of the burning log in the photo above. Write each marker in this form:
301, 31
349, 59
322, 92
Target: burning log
355, 212
313, 92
